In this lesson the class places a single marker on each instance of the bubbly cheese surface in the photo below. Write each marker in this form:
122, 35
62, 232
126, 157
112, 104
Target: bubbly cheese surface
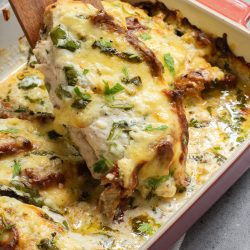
48, 196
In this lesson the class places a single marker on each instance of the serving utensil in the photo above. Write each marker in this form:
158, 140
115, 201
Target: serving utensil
30, 15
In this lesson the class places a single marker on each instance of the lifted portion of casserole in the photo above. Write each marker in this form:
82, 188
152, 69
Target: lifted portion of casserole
117, 77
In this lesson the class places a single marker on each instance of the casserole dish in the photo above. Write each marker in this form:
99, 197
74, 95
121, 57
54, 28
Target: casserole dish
226, 172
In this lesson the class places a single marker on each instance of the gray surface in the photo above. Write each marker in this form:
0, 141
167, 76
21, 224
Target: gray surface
226, 226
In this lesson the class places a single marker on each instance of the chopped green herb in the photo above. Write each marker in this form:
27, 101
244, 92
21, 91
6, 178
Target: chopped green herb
53, 135
82, 100
9, 131
145, 228
219, 157
160, 128
61, 39
102, 165
125, 72
169, 62
216, 148
194, 123
81, 95
61, 92
5, 227
85, 71
125, 106
71, 75
22, 109
32, 64
113, 90
105, 43
80, 104
16, 169
135, 80
240, 139
48, 244
184, 139
65, 224
145, 36
143, 225
30, 82
241, 98
154, 182
123, 125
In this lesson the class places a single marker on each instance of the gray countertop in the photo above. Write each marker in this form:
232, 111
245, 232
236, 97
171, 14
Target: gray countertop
226, 226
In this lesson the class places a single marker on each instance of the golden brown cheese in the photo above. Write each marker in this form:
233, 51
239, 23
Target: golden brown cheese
218, 120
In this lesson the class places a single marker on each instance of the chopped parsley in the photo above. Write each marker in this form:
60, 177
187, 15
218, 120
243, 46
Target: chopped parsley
194, 123
5, 227
145, 228
81, 95
85, 71
154, 182
126, 80
150, 128
48, 244
113, 90
82, 99
102, 165
16, 169
169, 62
61, 92
9, 131
145, 36
143, 225
65, 224
121, 125
125, 72
120, 105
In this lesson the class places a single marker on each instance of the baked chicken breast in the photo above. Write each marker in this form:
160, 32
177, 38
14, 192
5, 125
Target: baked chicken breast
117, 77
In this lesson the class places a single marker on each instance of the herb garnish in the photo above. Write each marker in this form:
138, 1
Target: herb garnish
5, 227
122, 125
154, 182
48, 244
120, 105
9, 131
169, 62
82, 99
85, 71
145, 36
16, 169
61, 92
145, 228
113, 90
151, 128
102, 165
135, 80
194, 123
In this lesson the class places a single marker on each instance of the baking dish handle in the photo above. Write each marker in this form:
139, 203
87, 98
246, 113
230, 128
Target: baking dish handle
236, 10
